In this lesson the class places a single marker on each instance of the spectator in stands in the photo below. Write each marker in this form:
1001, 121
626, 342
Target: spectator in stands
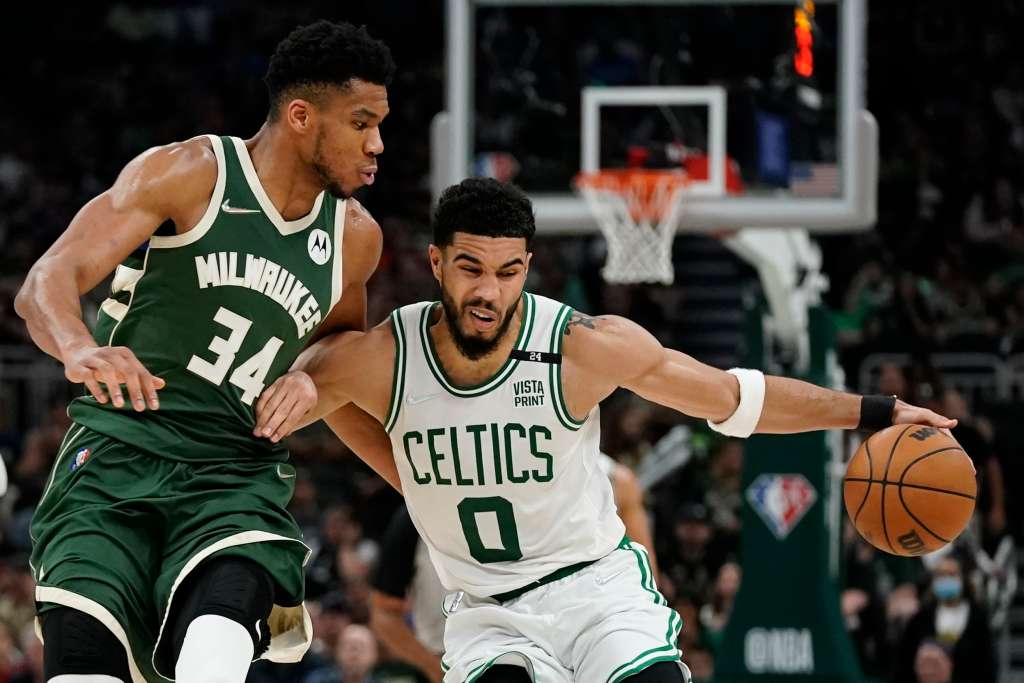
406, 589
31, 669
331, 615
691, 563
629, 503
915, 315
32, 470
974, 435
10, 657
356, 655
701, 663
1012, 307
715, 614
17, 593
958, 307
12, 330
688, 608
340, 549
723, 493
305, 505
994, 225
870, 291
862, 603
950, 617
932, 663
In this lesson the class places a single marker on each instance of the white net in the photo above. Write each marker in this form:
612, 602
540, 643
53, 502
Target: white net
638, 212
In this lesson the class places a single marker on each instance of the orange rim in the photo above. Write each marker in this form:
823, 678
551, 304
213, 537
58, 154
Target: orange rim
648, 193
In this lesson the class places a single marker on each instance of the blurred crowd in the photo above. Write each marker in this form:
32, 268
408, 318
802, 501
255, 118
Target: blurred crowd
943, 271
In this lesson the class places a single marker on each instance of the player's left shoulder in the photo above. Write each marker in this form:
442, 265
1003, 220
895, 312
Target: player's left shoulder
611, 345
359, 223
583, 334
363, 241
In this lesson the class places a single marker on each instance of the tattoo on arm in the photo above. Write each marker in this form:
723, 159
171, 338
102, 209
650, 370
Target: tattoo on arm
578, 318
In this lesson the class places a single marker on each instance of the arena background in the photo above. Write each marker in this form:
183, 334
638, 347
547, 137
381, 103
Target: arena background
928, 304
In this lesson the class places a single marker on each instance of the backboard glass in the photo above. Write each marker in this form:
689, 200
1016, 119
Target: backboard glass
539, 90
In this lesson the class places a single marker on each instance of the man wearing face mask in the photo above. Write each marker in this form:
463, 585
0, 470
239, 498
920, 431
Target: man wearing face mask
953, 619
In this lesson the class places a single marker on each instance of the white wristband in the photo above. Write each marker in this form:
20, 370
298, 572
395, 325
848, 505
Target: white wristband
744, 419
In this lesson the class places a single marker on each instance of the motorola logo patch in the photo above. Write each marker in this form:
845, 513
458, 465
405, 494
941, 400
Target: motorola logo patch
319, 246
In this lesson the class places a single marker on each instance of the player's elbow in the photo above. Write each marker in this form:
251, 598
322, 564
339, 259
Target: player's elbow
723, 396
25, 300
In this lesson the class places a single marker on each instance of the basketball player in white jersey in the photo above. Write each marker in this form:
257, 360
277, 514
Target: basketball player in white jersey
490, 398
404, 612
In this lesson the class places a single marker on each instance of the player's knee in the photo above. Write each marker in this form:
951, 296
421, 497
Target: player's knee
231, 587
505, 673
662, 672
76, 645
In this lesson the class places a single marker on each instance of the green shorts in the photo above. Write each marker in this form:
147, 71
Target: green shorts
117, 531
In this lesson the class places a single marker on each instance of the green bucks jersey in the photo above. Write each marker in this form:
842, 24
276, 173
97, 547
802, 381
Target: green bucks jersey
219, 313
502, 483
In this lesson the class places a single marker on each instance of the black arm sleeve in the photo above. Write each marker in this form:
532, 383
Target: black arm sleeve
397, 560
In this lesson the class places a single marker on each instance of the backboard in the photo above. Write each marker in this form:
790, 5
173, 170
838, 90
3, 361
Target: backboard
764, 98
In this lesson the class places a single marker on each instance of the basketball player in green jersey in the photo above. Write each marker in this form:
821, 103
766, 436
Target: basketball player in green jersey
162, 545
490, 398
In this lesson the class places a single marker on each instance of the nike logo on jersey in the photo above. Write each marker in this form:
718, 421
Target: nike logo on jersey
413, 400
284, 475
602, 580
230, 209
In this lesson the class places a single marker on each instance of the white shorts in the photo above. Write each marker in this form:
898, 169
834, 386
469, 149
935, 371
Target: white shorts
603, 623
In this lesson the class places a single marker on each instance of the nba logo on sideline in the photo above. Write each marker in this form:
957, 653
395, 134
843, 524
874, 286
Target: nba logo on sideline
781, 500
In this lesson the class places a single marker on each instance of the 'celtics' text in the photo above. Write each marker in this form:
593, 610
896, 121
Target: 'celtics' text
480, 454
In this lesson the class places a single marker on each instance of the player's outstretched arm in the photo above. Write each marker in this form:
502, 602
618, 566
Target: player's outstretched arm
609, 352
350, 367
353, 374
173, 183
365, 436
283, 406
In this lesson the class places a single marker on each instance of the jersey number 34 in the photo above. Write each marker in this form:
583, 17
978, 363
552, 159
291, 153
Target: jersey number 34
250, 375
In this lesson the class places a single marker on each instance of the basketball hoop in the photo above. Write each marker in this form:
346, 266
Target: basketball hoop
637, 211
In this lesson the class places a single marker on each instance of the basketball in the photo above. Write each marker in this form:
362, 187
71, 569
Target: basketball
910, 489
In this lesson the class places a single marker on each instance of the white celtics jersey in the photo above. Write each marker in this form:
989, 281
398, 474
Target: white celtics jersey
501, 482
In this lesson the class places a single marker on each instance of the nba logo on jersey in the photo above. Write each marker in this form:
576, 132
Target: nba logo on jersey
781, 500
319, 246
80, 457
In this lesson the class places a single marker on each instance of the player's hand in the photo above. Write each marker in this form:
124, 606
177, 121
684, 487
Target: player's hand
906, 414
281, 406
103, 369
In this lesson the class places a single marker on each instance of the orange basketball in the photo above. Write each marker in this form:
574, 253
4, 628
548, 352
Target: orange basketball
909, 489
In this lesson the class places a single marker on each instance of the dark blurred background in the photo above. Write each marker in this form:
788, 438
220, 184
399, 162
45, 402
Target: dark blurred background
929, 305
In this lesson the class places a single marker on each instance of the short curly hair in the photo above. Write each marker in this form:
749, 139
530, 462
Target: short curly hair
483, 206
325, 53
